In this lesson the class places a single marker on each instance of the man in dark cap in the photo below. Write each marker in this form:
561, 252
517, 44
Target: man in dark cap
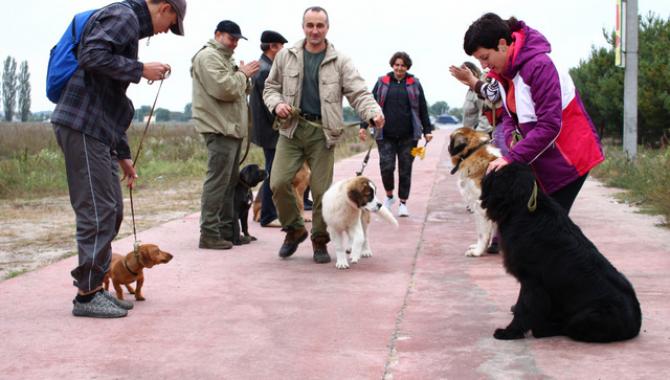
220, 112
90, 123
264, 136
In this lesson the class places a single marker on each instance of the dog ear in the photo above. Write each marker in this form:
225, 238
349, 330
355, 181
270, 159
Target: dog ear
148, 253
359, 191
457, 144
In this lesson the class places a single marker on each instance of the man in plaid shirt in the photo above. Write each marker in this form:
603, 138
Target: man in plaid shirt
90, 122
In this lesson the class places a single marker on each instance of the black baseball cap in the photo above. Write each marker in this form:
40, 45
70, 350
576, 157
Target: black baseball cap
270, 36
227, 26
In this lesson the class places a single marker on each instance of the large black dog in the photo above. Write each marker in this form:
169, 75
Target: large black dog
250, 176
567, 286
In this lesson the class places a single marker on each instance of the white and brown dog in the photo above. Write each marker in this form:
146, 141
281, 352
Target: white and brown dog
471, 153
346, 208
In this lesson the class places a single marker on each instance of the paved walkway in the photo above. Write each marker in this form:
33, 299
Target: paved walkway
418, 309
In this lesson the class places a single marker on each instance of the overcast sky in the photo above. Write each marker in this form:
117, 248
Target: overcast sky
430, 31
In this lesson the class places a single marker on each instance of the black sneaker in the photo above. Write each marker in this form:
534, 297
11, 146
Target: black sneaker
98, 307
493, 248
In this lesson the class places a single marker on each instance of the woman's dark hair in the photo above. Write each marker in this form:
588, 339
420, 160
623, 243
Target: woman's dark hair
473, 68
405, 58
487, 30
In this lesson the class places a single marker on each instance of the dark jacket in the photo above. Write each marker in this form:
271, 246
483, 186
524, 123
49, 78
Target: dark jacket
420, 121
94, 101
263, 134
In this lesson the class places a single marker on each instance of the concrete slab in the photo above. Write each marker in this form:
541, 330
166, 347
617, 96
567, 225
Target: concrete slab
418, 309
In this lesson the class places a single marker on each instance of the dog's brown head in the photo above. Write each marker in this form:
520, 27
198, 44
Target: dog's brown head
463, 140
361, 191
151, 255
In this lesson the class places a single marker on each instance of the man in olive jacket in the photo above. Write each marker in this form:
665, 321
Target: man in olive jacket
313, 77
220, 112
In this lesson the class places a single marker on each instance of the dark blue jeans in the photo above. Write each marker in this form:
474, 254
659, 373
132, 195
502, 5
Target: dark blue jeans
268, 210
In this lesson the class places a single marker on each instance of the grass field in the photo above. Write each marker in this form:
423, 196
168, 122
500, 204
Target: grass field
32, 166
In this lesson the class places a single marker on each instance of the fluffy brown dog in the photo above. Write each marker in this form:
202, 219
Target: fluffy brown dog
124, 270
300, 183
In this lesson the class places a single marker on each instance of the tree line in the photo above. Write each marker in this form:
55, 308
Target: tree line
600, 84
15, 90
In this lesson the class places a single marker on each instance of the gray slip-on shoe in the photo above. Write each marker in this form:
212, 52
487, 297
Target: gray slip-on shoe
123, 304
98, 307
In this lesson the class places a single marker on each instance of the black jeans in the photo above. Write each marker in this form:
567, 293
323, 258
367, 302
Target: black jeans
566, 196
389, 149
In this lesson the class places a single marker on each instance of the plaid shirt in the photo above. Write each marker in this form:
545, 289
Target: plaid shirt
94, 101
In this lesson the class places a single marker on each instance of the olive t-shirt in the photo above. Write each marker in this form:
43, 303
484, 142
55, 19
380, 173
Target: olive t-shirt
310, 102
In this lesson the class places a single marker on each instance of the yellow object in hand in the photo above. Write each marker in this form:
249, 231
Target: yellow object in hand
419, 151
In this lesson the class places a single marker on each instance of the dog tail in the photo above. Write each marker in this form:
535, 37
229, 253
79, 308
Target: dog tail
386, 214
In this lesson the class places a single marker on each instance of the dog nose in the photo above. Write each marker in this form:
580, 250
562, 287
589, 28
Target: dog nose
379, 206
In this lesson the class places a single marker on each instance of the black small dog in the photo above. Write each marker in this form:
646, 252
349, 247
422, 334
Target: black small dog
250, 176
567, 286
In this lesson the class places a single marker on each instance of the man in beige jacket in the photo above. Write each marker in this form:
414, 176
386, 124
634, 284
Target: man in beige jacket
220, 112
311, 77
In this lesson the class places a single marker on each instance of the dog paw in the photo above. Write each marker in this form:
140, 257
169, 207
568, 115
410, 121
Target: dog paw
474, 251
139, 298
252, 238
355, 258
508, 334
366, 253
341, 264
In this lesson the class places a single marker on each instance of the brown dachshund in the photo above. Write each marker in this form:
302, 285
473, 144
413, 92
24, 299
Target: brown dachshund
124, 270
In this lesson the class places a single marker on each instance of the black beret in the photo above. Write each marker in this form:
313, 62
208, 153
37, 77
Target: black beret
270, 36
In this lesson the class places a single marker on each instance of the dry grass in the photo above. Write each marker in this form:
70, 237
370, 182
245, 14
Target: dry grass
37, 224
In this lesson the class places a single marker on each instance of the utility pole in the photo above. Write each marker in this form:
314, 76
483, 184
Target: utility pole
630, 81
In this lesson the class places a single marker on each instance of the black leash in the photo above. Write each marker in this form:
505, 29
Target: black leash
367, 155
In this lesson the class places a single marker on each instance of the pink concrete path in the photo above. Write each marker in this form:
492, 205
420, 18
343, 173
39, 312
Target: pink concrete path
418, 309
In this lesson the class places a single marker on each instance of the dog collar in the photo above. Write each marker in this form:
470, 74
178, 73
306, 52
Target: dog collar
466, 155
125, 265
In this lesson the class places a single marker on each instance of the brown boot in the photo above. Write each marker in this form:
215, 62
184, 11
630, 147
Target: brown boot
210, 242
293, 238
321, 255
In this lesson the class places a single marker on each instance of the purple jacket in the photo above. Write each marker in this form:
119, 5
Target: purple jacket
559, 139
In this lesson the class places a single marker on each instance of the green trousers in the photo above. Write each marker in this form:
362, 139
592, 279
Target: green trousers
308, 144
218, 190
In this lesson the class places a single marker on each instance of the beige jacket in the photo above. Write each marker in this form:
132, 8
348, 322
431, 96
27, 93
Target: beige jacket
337, 78
219, 92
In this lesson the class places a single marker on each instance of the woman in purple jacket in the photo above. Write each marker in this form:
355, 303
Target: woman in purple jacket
545, 123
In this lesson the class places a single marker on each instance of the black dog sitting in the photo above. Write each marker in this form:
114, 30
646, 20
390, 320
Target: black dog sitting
250, 176
567, 286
